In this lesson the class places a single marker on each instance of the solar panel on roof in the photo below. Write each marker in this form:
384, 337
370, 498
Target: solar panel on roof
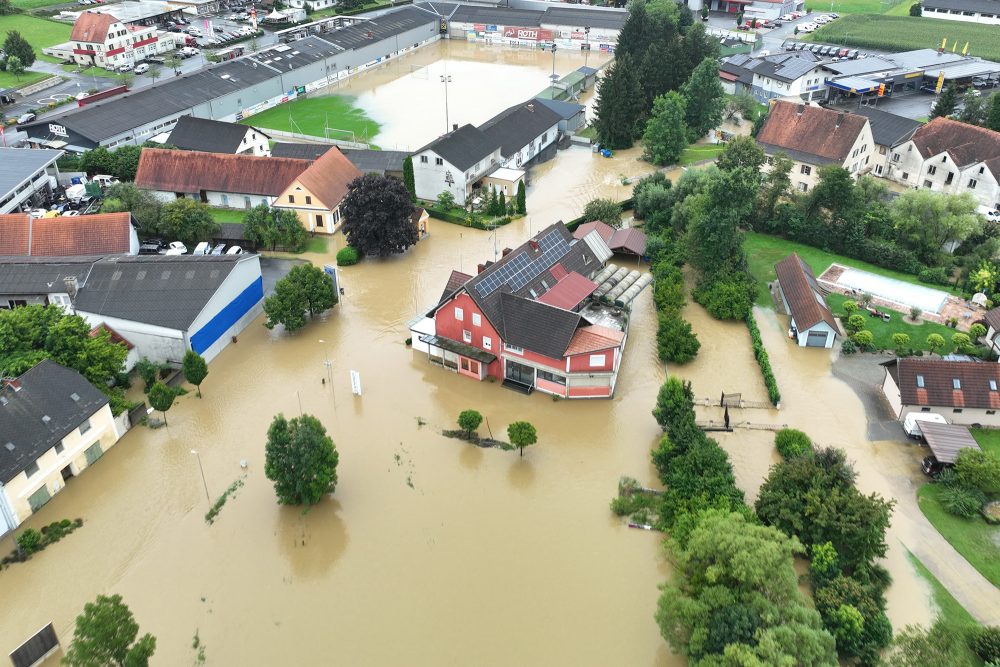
520, 270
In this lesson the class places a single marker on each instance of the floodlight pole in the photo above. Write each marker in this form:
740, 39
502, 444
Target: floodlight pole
445, 79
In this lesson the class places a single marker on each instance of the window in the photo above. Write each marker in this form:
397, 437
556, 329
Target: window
972, 184
925, 409
513, 348
477, 321
59, 448
423, 159
981, 169
927, 184
920, 381
878, 169
31, 469
895, 157
956, 383
291, 199
487, 343
993, 385
806, 169
550, 377
465, 364
459, 315
309, 199
438, 161
932, 170
948, 180
85, 426
957, 411
596, 360
803, 187
319, 220
906, 176
467, 335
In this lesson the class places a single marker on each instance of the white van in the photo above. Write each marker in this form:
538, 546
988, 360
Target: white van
202, 248
912, 423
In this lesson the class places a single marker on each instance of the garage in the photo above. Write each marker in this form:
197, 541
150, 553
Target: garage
817, 339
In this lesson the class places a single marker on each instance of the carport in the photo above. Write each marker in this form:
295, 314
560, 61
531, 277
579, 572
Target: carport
947, 440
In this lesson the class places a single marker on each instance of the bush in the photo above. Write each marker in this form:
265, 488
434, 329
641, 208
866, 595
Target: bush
864, 340
347, 256
961, 501
675, 341
935, 276
791, 442
29, 541
848, 346
850, 307
726, 299
986, 643
856, 322
760, 354
469, 421
978, 470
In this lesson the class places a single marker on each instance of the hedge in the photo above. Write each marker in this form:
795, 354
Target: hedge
760, 354
462, 219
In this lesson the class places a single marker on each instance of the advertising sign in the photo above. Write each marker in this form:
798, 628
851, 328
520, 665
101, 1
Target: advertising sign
528, 34
58, 130
940, 83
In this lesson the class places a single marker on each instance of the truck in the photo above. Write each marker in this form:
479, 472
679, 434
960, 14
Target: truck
911, 424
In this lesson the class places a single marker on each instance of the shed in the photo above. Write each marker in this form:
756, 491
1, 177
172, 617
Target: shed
947, 440
812, 322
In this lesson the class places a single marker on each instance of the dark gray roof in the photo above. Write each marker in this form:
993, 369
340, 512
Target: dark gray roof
299, 151
387, 25
980, 6
581, 17
526, 18
377, 161
41, 275
517, 126
537, 326
566, 110
166, 291
18, 164
210, 136
784, 67
46, 390
439, 8
888, 129
463, 147
575, 17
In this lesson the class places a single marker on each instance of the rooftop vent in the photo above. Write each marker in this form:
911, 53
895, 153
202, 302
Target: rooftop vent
75, 396
164, 275
9, 446
46, 419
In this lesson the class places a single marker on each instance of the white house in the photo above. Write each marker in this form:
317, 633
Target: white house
524, 131
101, 39
973, 11
889, 132
812, 324
948, 156
798, 74
964, 392
214, 136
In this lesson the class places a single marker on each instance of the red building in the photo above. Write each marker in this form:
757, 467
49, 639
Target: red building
530, 321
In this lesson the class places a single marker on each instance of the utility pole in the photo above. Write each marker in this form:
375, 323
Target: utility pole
446, 79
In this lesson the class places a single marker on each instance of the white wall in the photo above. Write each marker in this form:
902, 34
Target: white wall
157, 343
429, 177
254, 143
217, 199
932, 174
246, 271
822, 326
957, 15
533, 148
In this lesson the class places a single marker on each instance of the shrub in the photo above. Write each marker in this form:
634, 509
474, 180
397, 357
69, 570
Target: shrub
347, 256
791, 442
915, 313
856, 322
961, 501
675, 341
864, 339
760, 354
961, 341
850, 307
29, 541
900, 341
469, 421
978, 470
725, 299
977, 331
935, 276
986, 643
848, 346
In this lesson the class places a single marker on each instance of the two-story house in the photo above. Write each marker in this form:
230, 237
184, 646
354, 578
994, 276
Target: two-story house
964, 392
53, 426
949, 156
524, 131
889, 132
214, 136
454, 163
315, 194
101, 39
797, 74
815, 137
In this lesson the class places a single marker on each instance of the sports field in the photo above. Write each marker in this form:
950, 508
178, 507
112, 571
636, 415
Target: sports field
855, 6
905, 33
38, 31
311, 115
28, 5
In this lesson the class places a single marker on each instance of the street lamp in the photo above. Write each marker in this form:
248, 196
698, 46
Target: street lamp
200, 467
446, 79
553, 77
586, 44
329, 375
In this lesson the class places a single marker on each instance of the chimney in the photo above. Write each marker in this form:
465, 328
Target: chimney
840, 118
480, 268
506, 251
531, 107
12, 383
533, 244
454, 126
802, 109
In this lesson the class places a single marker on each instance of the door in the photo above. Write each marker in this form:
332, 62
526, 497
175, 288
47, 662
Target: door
93, 453
520, 373
816, 339
38, 499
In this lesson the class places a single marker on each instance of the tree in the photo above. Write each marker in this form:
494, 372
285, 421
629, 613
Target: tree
961, 341
6, 8
469, 421
607, 211
741, 152
408, 179
946, 102
154, 72
106, 634
376, 213
941, 645
935, 342
15, 66
145, 208
864, 339
979, 470
125, 79
17, 46
977, 331
665, 137
855, 323
522, 434
305, 288
161, 397
926, 221
125, 162
195, 369
705, 100
975, 108
446, 200
620, 110
270, 227
173, 62
993, 115
675, 340
187, 221
916, 9
301, 460
520, 200
901, 342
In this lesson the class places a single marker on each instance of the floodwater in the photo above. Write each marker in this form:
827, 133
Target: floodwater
407, 97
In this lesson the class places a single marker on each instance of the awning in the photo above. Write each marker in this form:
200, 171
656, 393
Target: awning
853, 84
947, 440
462, 349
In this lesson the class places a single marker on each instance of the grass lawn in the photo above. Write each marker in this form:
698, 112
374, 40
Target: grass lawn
590, 132
36, 4
312, 114
973, 538
855, 6
988, 439
904, 33
317, 244
90, 71
949, 610
38, 31
698, 153
7, 80
764, 251
883, 331
228, 214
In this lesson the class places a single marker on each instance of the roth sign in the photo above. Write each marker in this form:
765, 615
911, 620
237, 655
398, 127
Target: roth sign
529, 34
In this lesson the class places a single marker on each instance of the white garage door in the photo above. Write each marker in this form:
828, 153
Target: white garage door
816, 339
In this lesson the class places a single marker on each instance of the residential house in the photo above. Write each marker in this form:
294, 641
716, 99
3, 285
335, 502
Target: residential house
454, 163
991, 321
964, 392
812, 323
524, 131
888, 131
27, 177
815, 137
315, 194
54, 425
626, 241
949, 156
972, 11
217, 179
528, 320
798, 74
213, 136
62, 236
100, 39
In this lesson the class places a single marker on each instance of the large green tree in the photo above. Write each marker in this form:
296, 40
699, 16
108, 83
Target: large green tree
106, 634
187, 221
161, 397
376, 213
301, 460
272, 227
619, 110
993, 114
522, 434
306, 289
144, 207
666, 137
408, 178
607, 211
925, 221
705, 99
741, 152
946, 102
195, 369
17, 45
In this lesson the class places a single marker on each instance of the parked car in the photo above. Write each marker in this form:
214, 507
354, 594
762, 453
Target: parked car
234, 250
202, 248
26, 118
150, 247
833, 15
104, 180
175, 248
141, 68
928, 88
852, 54
808, 27
156, 60
217, 250
124, 67
843, 53
70, 213
38, 213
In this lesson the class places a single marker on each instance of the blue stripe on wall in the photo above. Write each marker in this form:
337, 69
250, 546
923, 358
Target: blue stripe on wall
205, 337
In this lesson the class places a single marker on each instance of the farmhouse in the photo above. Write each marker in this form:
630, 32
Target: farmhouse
316, 193
213, 136
888, 131
104, 233
812, 324
965, 392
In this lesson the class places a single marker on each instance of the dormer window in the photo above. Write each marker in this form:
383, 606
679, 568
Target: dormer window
993, 385
956, 383
920, 381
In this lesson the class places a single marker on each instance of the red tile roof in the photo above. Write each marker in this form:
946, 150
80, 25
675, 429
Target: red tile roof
455, 280
593, 338
115, 336
604, 230
568, 292
194, 171
628, 240
62, 236
328, 177
814, 131
966, 144
92, 27
802, 294
938, 378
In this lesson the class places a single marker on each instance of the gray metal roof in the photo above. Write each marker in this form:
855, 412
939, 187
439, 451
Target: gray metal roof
299, 151
375, 161
980, 6
41, 275
888, 129
924, 58
612, 19
463, 147
860, 66
947, 440
382, 27
166, 291
525, 18
211, 136
52, 402
969, 69
18, 164
537, 326
517, 126
784, 67
566, 110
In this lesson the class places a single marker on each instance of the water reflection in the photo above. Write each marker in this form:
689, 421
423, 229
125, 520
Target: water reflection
311, 541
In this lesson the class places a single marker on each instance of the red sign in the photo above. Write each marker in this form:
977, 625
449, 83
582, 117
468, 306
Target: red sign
479, 27
529, 34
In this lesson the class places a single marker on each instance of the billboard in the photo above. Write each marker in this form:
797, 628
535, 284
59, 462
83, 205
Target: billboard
527, 34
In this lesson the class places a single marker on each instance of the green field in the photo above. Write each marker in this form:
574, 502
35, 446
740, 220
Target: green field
38, 31
90, 71
698, 153
228, 214
28, 5
312, 114
883, 331
856, 6
973, 538
904, 33
7, 80
988, 439
764, 251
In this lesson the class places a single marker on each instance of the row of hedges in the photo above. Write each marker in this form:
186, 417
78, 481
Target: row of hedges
457, 216
760, 354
